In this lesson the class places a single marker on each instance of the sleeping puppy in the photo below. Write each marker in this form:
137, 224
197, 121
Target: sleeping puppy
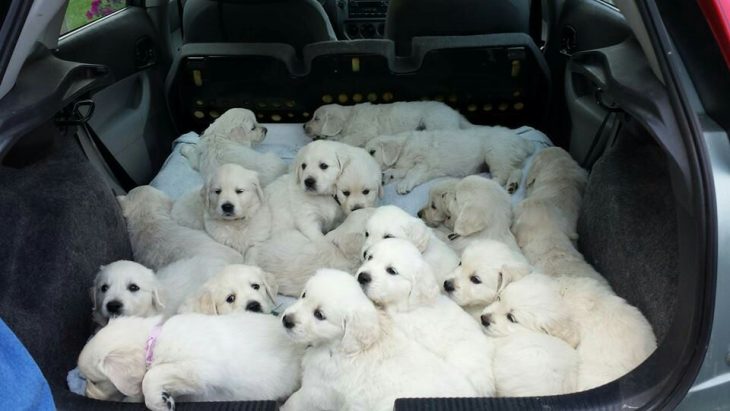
125, 288
228, 140
304, 200
236, 288
611, 336
486, 267
392, 222
534, 364
293, 258
360, 184
472, 209
355, 125
398, 279
230, 207
356, 359
157, 240
414, 157
192, 357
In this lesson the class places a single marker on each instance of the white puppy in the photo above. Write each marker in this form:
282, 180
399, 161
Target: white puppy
232, 208
485, 268
360, 184
357, 124
611, 336
356, 359
193, 357
474, 208
229, 140
392, 222
305, 199
398, 279
418, 156
534, 364
125, 288
235, 288
293, 258
157, 240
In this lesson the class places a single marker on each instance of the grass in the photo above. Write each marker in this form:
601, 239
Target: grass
76, 13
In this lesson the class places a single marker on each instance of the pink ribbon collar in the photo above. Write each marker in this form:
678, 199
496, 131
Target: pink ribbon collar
149, 348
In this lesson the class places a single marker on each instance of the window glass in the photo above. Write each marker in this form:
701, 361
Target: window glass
82, 12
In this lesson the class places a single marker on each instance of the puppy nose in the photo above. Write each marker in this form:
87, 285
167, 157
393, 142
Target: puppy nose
253, 306
364, 278
227, 207
304, 126
449, 286
288, 321
420, 214
486, 319
356, 207
310, 182
265, 130
114, 306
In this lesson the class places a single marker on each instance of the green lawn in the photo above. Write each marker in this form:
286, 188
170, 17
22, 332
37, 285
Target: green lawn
76, 13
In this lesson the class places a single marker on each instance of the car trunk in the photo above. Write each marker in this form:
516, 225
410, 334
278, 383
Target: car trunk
642, 223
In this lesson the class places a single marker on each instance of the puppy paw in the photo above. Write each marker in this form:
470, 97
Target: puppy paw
169, 401
389, 176
453, 236
403, 188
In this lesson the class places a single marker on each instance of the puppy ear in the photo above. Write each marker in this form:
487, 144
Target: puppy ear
156, 300
205, 303
205, 197
418, 234
298, 165
125, 369
333, 123
92, 294
423, 287
259, 191
391, 151
470, 219
362, 329
564, 328
510, 273
271, 286
350, 244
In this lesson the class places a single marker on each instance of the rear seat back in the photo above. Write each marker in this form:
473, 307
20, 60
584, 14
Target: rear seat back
491, 79
293, 22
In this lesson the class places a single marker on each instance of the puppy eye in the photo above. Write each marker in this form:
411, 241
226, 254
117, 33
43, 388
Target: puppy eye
304, 166
346, 193
475, 279
231, 298
239, 191
459, 263
365, 192
318, 315
387, 236
499, 298
372, 152
323, 166
304, 294
133, 288
448, 217
217, 191
433, 205
367, 234
511, 318
391, 271
370, 257
253, 127
104, 288
255, 286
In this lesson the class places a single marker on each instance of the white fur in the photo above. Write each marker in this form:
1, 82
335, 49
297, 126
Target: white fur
533, 364
197, 357
391, 221
611, 336
131, 286
235, 288
485, 268
415, 157
228, 140
157, 240
356, 359
183, 278
357, 124
397, 278
360, 184
293, 258
474, 208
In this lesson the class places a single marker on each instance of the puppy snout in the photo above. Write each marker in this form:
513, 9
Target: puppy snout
310, 182
356, 207
364, 278
227, 208
114, 307
486, 320
420, 214
288, 321
449, 286
264, 130
253, 306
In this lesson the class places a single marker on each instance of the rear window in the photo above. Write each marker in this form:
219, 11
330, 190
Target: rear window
82, 12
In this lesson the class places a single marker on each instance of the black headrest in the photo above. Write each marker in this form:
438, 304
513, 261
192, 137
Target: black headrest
413, 18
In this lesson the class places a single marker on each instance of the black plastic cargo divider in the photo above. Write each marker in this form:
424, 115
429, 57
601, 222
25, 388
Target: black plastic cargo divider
491, 79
